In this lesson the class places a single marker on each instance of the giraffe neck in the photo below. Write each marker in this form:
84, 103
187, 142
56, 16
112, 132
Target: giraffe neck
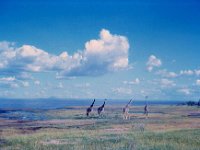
127, 105
92, 104
103, 105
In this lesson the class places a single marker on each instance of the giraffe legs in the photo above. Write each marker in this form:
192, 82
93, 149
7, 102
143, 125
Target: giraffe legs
126, 116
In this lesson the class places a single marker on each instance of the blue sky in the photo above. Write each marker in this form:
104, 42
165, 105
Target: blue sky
100, 49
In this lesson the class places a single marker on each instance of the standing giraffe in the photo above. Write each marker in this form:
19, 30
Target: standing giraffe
146, 107
101, 108
89, 109
126, 110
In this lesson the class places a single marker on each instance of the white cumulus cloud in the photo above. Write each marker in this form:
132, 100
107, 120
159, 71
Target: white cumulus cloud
167, 74
84, 85
198, 82
136, 81
7, 79
25, 83
167, 83
185, 91
8, 82
37, 82
121, 90
152, 62
60, 85
197, 72
106, 54
186, 72
14, 85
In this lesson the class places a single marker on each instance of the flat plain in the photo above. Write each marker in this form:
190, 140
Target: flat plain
167, 127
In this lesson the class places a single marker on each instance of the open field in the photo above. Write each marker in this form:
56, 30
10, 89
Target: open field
167, 127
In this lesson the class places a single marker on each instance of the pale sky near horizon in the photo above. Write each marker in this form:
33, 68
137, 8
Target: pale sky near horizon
100, 49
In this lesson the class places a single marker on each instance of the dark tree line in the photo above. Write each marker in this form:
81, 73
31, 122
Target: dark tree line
192, 103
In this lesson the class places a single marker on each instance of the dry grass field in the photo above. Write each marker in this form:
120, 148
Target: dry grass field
166, 127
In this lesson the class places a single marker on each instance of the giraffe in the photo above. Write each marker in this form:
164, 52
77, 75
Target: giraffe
101, 108
126, 110
146, 107
89, 109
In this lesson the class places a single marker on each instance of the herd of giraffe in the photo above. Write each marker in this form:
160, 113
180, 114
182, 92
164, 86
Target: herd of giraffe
125, 109
99, 110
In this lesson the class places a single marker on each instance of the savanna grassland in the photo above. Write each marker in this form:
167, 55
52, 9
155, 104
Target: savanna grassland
166, 128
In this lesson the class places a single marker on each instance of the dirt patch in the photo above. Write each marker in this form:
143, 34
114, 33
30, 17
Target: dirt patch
117, 129
43, 124
175, 125
59, 142
54, 142
194, 115
68, 122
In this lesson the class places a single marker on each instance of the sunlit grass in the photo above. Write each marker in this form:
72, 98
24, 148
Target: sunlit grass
169, 129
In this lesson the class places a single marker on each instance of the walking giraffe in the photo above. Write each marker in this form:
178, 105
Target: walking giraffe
89, 109
126, 111
146, 107
101, 108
